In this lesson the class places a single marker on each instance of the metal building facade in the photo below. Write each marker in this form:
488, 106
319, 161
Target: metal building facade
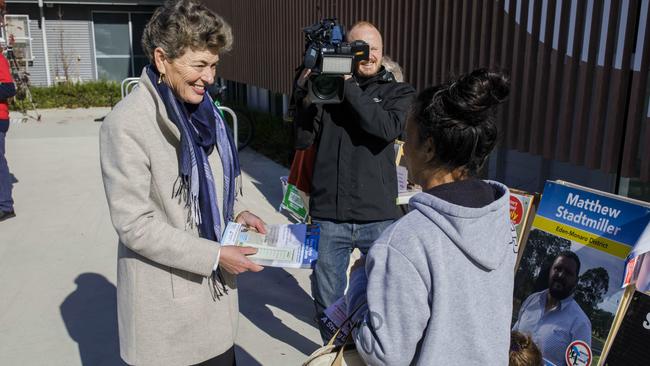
579, 68
69, 30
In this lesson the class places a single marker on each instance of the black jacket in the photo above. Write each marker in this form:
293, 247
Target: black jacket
354, 173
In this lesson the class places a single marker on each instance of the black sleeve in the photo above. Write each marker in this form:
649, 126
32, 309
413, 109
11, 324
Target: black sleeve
386, 120
7, 90
305, 121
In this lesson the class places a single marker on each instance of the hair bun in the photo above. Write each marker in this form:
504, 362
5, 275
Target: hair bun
474, 94
499, 87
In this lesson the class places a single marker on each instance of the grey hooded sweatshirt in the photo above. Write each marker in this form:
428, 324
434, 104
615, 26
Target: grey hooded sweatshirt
439, 285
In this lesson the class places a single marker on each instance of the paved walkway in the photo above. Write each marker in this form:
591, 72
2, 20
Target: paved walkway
58, 257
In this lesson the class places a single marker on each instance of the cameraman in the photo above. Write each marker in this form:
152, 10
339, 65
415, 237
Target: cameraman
354, 185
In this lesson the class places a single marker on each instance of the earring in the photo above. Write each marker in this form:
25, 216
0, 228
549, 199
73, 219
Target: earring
160, 78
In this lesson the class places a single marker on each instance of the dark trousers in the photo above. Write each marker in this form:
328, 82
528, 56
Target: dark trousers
6, 202
337, 240
225, 359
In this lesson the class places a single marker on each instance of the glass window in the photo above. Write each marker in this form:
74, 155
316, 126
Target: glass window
113, 68
118, 44
23, 50
17, 27
112, 34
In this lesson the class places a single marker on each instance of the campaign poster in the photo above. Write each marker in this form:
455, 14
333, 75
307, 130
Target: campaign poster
637, 267
630, 346
521, 207
601, 229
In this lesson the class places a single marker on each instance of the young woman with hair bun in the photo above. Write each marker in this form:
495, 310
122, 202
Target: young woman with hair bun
438, 282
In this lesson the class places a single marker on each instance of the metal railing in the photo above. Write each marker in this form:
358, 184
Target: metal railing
128, 85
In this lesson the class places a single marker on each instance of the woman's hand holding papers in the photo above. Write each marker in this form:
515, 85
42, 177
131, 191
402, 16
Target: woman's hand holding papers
233, 259
251, 221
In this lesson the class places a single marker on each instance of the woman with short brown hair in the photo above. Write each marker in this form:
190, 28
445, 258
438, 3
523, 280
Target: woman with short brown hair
172, 180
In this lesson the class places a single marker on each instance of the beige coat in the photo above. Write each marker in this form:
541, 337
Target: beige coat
167, 314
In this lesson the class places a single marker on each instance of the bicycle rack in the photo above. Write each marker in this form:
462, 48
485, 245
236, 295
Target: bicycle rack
127, 85
234, 122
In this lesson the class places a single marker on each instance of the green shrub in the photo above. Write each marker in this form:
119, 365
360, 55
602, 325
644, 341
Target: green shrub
272, 137
72, 95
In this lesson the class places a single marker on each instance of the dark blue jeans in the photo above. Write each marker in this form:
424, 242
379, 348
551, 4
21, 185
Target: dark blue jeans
337, 240
6, 202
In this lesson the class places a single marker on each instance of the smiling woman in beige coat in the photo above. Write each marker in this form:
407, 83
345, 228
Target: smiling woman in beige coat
172, 177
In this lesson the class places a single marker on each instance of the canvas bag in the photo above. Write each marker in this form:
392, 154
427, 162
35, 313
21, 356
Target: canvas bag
302, 169
331, 355
295, 191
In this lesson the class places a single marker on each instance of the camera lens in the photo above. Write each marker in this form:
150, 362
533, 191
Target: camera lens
326, 86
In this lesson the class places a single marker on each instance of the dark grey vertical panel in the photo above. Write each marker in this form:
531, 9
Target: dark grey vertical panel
601, 89
542, 81
412, 37
516, 67
496, 35
485, 40
455, 37
420, 61
524, 120
254, 72
374, 11
507, 35
555, 87
368, 10
333, 8
565, 105
585, 84
505, 62
632, 148
614, 126
434, 72
381, 15
445, 50
464, 32
567, 102
397, 27
392, 29
474, 34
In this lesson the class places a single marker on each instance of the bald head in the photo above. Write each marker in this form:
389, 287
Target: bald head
364, 31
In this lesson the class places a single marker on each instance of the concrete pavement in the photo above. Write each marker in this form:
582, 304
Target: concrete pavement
58, 256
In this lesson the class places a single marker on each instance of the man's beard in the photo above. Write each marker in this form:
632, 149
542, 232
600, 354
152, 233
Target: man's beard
559, 293
366, 73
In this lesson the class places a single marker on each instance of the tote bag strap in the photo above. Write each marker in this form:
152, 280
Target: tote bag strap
338, 361
347, 320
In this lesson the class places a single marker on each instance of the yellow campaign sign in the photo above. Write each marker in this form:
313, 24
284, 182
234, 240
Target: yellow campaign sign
586, 238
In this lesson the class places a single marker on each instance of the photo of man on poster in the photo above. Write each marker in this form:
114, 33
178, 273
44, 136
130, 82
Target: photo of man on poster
552, 317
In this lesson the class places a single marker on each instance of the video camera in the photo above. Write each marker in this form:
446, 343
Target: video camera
330, 58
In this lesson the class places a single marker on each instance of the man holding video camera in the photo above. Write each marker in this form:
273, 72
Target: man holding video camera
354, 184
